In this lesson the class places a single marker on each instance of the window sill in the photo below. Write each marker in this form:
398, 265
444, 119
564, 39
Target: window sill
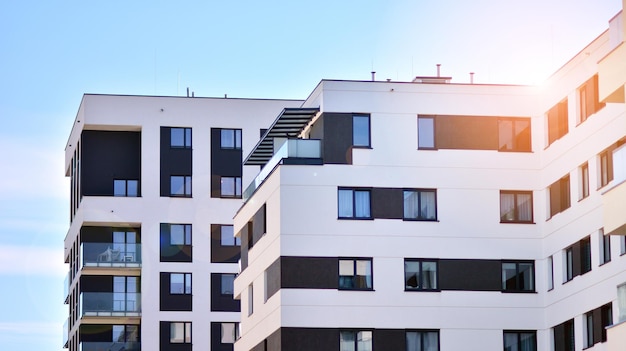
366, 147
518, 291
422, 290
419, 220
356, 218
517, 222
355, 289
603, 263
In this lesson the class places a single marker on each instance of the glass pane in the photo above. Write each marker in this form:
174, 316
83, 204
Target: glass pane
228, 186
227, 235
510, 342
177, 137
187, 137
119, 284
426, 133
524, 207
364, 341
177, 281
228, 333
411, 275
119, 187
228, 284
431, 341
346, 267
187, 185
177, 333
345, 203
509, 276
413, 341
411, 204
238, 186
429, 275
527, 342
188, 283
177, 234
228, 139
364, 274
187, 228
428, 207
238, 138
505, 134
347, 341
118, 333
177, 185
526, 276
132, 188
188, 333
507, 207
361, 131
362, 204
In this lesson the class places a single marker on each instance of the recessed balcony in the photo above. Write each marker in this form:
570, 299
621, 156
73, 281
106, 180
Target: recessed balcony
110, 255
109, 304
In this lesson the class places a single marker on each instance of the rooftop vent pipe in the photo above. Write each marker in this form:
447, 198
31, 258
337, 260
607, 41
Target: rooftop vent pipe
439, 70
471, 77
373, 76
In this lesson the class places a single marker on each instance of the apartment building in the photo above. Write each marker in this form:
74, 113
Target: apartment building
431, 216
155, 182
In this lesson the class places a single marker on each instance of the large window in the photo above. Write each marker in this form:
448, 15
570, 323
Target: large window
180, 283
180, 234
420, 275
227, 236
230, 187
354, 203
230, 139
516, 206
557, 121
595, 323
355, 340
563, 336
559, 196
180, 186
514, 134
518, 276
361, 131
588, 99
180, 138
426, 132
126, 187
355, 274
520, 340
422, 340
420, 204
578, 259
605, 247
180, 332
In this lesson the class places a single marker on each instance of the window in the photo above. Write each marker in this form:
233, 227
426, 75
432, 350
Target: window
516, 206
426, 132
180, 138
588, 329
595, 323
622, 244
355, 274
427, 340
228, 284
605, 247
621, 302
180, 283
361, 131
180, 186
420, 205
518, 276
230, 139
230, 187
563, 336
230, 333
125, 187
180, 234
559, 196
578, 259
550, 264
584, 181
354, 203
228, 236
180, 333
353, 340
420, 275
514, 134
250, 300
557, 122
525, 340
606, 167
588, 99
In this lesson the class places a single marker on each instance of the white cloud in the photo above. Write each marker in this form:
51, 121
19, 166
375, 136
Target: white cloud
31, 260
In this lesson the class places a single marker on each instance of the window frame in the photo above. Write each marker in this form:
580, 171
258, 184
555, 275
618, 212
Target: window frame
187, 234
516, 209
187, 287
557, 117
236, 241
125, 183
550, 264
420, 284
622, 245
519, 283
236, 187
354, 191
186, 186
605, 171
431, 130
422, 333
518, 334
355, 334
563, 185
236, 334
187, 339
419, 192
517, 146
368, 145
605, 247
186, 138
236, 138
584, 181
354, 276
222, 290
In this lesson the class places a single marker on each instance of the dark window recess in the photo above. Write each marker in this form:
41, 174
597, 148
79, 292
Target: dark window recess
588, 98
251, 233
355, 274
470, 274
176, 162
222, 298
578, 259
420, 204
523, 340
420, 275
354, 203
516, 206
559, 195
175, 242
117, 337
225, 247
563, 336
595, 323
518, 276
175, 336
605, 247
175, 292
226, 160
557, 122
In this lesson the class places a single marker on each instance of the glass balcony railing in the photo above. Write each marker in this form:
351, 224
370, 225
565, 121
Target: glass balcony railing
109, 346
110, 255
109, 304
291, 148
66, 332
66, 288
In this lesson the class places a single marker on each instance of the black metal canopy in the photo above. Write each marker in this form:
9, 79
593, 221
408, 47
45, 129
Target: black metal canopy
288, 124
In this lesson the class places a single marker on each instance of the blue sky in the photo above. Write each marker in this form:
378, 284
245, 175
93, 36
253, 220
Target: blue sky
51, 52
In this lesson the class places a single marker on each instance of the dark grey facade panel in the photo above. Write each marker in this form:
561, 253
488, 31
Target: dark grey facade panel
273, 278
470, 275
243, 234
219, 302
224, 162
174, 161
96, 333
309, 272
389, 339
251, 233
96, 283
219, 253
94, 234
309, 339
108, 155
172, 302
258, 224
273, 342
337, 138
387, 203
466, 132
216, 338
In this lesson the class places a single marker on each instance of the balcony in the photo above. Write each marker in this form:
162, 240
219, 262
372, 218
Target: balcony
109, 304
66, 288
110, 255
297, 151
109, 346
614, 199
66, 333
